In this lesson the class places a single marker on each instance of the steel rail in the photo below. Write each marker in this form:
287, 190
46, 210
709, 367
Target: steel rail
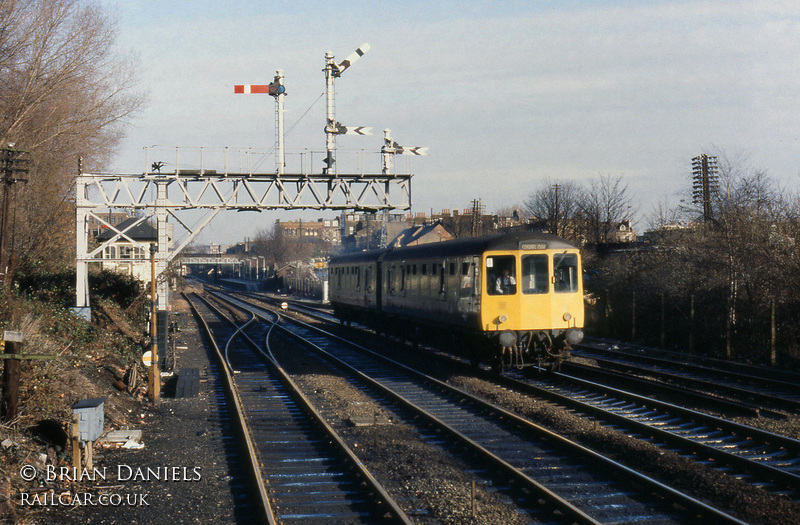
734, 383
655, 486
385, 499
742, 369
723, 405
766, 472
255, 468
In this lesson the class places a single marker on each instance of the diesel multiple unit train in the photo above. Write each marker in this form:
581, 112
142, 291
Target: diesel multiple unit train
507, 299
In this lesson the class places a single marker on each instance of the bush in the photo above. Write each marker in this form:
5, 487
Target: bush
58, 288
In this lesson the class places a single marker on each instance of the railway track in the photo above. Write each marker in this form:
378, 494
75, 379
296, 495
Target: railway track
761, 458
747, 385
311, 476
584, 486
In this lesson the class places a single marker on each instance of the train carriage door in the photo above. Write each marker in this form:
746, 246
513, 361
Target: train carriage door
535, 284
500, 301
368, 286
469, 285
567, 287
379, 285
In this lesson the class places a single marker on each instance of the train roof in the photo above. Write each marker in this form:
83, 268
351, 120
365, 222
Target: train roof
354, 257
469, 246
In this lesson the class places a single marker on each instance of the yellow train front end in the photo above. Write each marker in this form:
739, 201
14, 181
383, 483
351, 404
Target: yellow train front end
532, 301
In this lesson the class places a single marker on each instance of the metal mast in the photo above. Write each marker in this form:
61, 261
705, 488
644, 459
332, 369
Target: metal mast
275, 89
330, 113
279, 92
389, 148
333, 128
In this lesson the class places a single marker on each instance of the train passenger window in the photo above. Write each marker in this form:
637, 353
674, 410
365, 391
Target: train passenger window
452, 268
424, 269
565, 273
535, 277
467, 285
501, 272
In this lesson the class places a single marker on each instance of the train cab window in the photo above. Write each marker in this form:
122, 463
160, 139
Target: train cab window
535, 277
501, 272
565, 273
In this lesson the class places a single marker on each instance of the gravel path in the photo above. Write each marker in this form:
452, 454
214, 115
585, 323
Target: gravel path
191, 433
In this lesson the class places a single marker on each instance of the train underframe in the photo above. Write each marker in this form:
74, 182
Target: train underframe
521, 348
500, 350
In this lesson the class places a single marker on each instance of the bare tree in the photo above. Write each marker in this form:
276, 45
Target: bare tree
278, 248
557, 204
603, 205
662, 216
65, 93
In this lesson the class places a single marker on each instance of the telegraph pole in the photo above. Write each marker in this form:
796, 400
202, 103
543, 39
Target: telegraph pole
705, 175
13, 163
477, 217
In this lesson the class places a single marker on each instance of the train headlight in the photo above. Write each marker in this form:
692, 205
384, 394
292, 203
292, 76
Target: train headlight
502, 319
567, 316
508, 338
574, 336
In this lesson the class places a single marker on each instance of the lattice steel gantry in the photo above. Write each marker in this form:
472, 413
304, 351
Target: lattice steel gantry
167, 195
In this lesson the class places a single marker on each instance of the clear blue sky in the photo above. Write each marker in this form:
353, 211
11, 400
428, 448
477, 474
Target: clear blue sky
505, 94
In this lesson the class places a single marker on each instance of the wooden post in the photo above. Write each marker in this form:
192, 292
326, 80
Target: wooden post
691, 324
728, 323
75, 438
663, 321
154, 375
473, 499
89, 451
11, 372
633, 318
773, 354
13, 347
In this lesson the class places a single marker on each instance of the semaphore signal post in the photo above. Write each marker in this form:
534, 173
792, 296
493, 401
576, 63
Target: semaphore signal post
205, 179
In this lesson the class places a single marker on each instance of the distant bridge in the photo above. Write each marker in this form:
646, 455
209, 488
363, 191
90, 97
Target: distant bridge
206, 259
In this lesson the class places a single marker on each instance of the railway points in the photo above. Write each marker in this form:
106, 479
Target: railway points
646, 442
441, 409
